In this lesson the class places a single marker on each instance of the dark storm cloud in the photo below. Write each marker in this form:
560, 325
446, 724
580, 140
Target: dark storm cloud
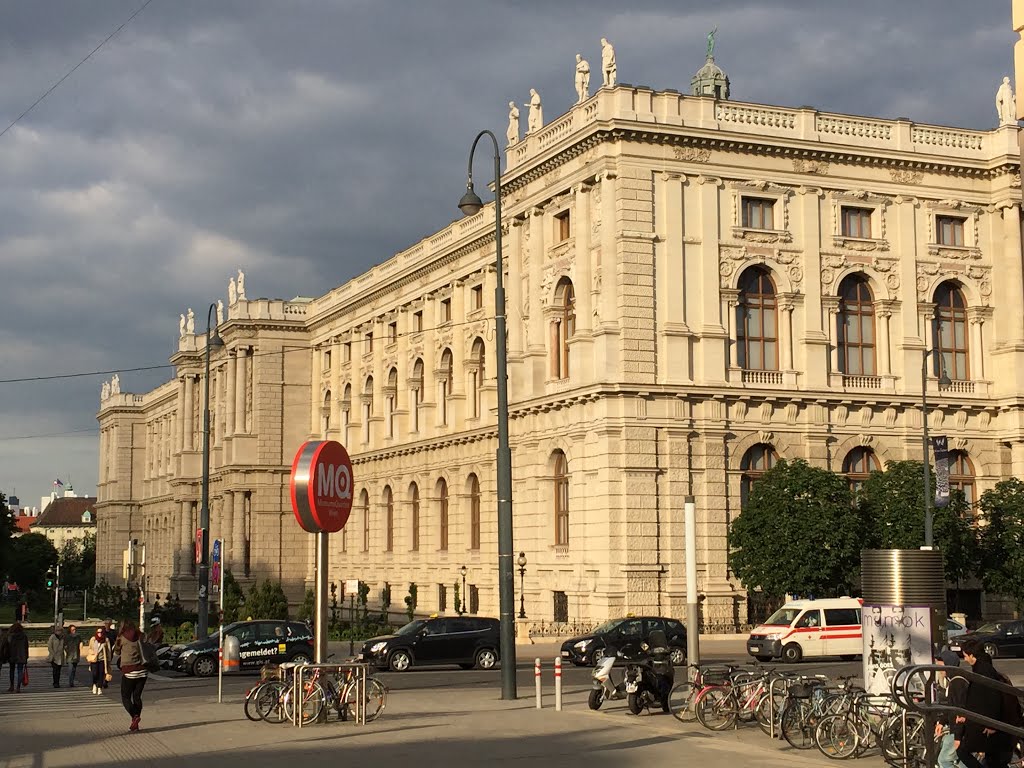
305, 141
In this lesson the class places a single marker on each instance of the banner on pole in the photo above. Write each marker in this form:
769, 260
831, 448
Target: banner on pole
215, 572
941, 447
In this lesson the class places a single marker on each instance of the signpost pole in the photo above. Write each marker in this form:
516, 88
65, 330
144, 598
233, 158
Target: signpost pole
220, 629
320, 619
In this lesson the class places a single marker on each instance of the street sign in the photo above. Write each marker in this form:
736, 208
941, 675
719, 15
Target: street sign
215, 572
321, 486
351, 586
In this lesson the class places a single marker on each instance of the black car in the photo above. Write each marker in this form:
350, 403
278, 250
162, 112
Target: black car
583, 651
999, 638
468, 641
259, 643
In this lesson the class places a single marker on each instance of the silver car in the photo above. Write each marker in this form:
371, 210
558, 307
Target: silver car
954, 629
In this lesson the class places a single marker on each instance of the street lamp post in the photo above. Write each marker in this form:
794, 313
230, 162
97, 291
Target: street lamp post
462, 604
202, 623
469, 205
944, 381
522, 579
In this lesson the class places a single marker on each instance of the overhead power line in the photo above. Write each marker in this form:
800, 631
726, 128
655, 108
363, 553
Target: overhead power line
71, 71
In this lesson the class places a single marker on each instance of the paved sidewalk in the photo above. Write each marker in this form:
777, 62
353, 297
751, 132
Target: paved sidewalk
464, 727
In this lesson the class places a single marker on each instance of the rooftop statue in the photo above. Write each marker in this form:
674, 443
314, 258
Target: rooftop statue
536, 119
181, 326
1006, 103
711, 43
512, 134
582, 78
220, 313
232, 293
190, 326
241, 285
608, 67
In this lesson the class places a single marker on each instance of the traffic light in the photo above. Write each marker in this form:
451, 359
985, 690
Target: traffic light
51, 579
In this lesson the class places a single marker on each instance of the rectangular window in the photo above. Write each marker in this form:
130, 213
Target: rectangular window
838, 617
347, 352
478, 297
561, 607
758, 213
417, 322
327, 359
561, 226
368, 346
442, 597
950, 230
392, 333
446, 310
857, 222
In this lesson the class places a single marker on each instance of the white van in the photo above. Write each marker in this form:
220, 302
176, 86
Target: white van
808, 628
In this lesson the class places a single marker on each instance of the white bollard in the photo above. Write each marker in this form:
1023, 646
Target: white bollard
558, 685
536, 681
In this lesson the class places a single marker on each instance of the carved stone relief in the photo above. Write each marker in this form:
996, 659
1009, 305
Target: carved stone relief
904, 176
692, 154
818, 167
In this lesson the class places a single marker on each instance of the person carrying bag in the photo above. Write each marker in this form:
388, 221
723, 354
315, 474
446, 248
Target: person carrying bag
134, 670
98, 655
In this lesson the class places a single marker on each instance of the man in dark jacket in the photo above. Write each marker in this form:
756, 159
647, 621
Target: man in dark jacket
996, 746
17, 641
953, 693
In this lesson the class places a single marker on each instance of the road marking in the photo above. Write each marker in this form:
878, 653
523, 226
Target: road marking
82, 701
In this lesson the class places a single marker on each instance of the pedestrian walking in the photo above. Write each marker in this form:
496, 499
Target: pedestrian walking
995, 746
21, 613
98, 655
109, 630
133, 670
55, 653
5, 649
72, 653
18, 643
953, 692
155, 636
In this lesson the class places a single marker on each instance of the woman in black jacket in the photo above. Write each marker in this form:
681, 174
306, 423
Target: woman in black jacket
17, 643
996, 746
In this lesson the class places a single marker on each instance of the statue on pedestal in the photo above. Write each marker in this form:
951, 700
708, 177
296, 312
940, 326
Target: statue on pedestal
582, 78
241, 285
512, 134
232, 293
104, 391
711, 43
181, 326
190, 326
608, 67
220, 313
536, 120
1006, 103
115, 385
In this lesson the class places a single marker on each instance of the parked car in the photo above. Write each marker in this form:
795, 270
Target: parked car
955, 629
584, 650
468, 641
259, 643
998, 638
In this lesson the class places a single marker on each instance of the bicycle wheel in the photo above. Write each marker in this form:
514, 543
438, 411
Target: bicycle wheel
716, 709
761, 713
250, 703
892, 741
681, 702
313, 701
837, 736
798, 723
270, 702
376, 699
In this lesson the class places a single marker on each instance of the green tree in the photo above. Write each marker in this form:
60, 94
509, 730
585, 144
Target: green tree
233, 598
31, 556
364, 597
798, 533
892, 503
1002, 539
7, 531
385, 602
267, 601
78, 563
410, 601
308, 607
110, 601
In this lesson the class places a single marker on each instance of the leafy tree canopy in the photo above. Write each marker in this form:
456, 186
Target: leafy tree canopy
267, 600
31, 556
1002, 539
798, 533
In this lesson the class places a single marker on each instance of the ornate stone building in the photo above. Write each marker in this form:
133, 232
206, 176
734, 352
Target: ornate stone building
697, 287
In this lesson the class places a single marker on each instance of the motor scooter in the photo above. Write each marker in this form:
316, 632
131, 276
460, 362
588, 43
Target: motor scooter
605, 688
650, 675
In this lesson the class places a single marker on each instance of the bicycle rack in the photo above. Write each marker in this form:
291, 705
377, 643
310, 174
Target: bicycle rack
297, 685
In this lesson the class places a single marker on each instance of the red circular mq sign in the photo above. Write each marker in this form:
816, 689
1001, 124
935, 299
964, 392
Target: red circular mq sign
321, 486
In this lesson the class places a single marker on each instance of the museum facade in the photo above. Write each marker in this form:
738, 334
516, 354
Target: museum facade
697, 288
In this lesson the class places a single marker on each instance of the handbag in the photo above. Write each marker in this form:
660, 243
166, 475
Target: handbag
149, 662
106, 672
24, 677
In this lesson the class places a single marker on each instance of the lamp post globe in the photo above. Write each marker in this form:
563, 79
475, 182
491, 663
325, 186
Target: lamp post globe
470, 204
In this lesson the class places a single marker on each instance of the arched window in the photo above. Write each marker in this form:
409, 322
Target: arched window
856, 326
562, 328
561, 489
474, 512
858, 465
757, 322
414, 510
391, 400
446, 377
389, 519
416, 395
367, 407
442, 513
325, 412
755, 462
477, 362
364, 505
961, 475
951, 332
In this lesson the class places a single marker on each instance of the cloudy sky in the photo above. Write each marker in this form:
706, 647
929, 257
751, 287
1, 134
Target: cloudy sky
305, 140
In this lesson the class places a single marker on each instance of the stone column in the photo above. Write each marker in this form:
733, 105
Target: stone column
977, 350
241, 380
831, 305
584, 310
884, 313
730, 298
185, 552
786, 335
1013, 276
230, 421
189, 405
179, 419
514, 288
335, 386
315, 398
227, 511
238, 535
